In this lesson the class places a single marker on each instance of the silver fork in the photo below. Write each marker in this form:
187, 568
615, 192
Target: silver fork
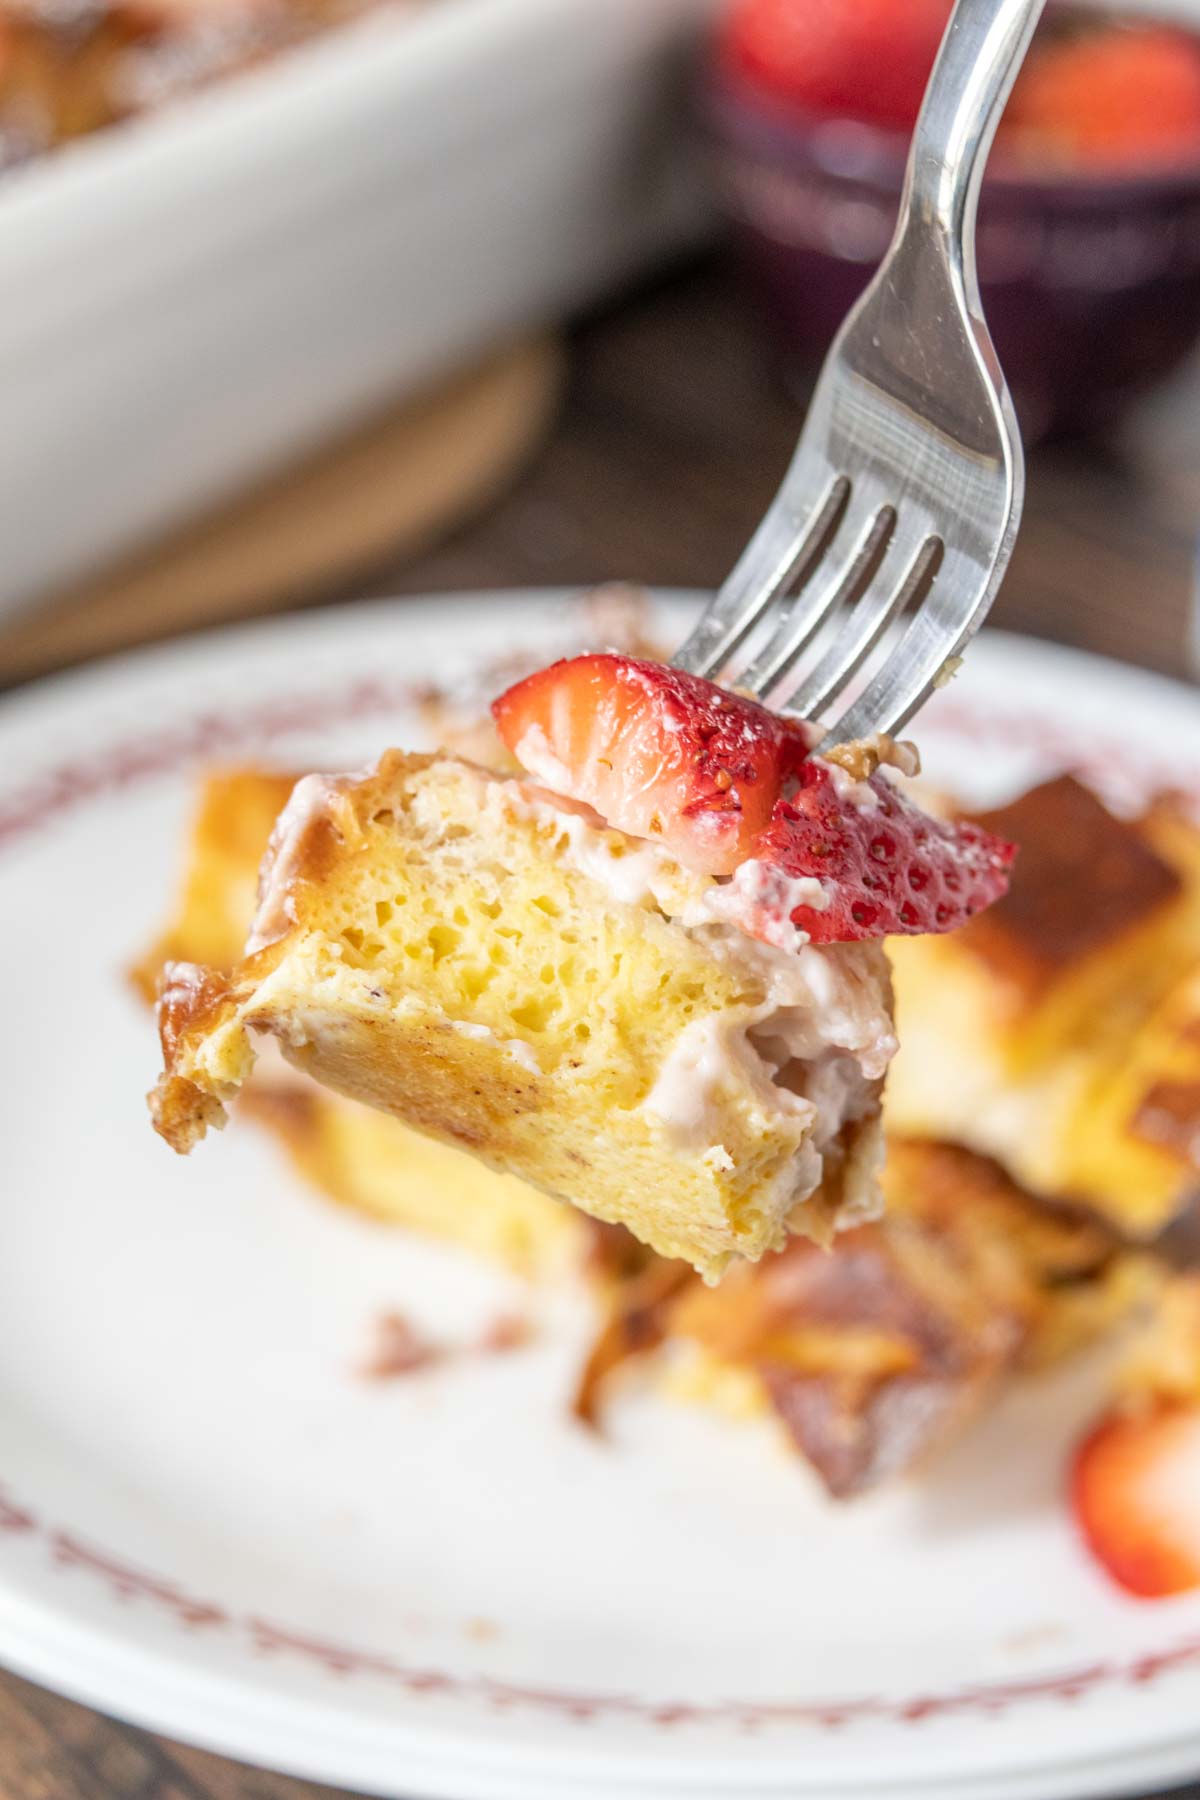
908, 479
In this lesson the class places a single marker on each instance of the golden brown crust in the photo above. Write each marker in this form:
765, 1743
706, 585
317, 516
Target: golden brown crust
431, 1080
192, 1004
66, 71
182, 1113
871, 1355
1163, 1362
1061, 1033
639, 1320
235, 811
1083, 880
291, 1109
189, 1000
56, 81
1169, 1115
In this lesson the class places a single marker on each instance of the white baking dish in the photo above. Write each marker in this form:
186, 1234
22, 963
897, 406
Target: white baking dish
201, 295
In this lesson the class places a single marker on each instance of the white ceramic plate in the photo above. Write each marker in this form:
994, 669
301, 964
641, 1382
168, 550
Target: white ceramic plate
438, 1586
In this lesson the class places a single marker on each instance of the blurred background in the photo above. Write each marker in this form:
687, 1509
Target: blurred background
309, 299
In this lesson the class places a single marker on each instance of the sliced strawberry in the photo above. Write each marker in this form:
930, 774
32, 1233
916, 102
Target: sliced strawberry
859, 59
1112, 95
1093, 92
721, 781
1135, 1489
658, 753
886, 867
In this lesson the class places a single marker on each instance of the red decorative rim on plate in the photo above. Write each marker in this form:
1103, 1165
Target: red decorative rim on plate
219, 734
70, 1553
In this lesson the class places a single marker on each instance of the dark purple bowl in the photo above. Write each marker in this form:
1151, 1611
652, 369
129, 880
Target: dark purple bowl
1091, 285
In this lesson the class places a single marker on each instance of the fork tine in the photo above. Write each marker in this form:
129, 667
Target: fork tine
844, 575
939, 630
916, 556
912, 413
791, 539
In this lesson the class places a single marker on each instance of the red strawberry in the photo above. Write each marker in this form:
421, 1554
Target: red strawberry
1125, 95
887, 868
1136, 1494
657, 753
859, 59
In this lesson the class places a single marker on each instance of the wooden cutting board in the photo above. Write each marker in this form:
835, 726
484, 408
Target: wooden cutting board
392, 487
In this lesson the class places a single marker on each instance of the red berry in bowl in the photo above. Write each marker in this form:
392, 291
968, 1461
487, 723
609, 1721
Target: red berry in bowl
1106, 95
857, 59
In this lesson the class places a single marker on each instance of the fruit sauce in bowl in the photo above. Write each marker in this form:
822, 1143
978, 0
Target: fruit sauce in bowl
1089, 224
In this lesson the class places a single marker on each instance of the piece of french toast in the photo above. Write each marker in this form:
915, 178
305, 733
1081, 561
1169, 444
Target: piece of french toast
1060, 1030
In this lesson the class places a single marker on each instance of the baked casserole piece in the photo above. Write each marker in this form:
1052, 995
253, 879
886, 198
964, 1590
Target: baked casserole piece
656, 988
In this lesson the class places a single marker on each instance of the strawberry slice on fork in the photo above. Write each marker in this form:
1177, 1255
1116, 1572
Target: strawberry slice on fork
656, 752
887, 868
721, 782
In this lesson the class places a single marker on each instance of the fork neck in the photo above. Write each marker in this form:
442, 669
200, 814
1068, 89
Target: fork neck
980, 54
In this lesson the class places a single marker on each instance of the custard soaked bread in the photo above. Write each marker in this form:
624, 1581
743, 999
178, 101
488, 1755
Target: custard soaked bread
1060, 1031
657, 990
358, 1157
488, 968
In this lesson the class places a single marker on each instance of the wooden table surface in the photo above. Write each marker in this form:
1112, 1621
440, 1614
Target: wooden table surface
674, 435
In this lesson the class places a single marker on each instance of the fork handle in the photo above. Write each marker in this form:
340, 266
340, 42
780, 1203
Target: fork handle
984, 46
